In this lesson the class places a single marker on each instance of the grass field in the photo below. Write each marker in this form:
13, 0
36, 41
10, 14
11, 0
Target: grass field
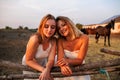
13, 44
94, 54
94, 48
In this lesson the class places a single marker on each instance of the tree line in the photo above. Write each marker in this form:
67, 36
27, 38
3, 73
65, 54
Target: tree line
78, 25
19, 28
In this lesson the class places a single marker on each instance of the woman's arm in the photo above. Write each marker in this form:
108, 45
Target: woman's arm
45, 75
60, 49
60, 53
84, 40
65, 69
30, 53
52, 54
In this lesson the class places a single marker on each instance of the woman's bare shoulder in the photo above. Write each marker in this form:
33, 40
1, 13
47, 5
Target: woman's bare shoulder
84, 37
34, 38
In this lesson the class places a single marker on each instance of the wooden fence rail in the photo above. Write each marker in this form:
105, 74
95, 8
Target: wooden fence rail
84, 69
88, 68
112, 52
55, 74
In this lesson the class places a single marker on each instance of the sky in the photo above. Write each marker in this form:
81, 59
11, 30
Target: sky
28, 13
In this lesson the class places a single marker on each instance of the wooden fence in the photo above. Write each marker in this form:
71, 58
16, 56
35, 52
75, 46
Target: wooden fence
85, 69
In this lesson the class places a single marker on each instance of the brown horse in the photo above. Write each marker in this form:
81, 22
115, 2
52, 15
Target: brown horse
89, 31
105, 31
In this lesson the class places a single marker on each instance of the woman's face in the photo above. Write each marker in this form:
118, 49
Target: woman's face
63, 28
49, 28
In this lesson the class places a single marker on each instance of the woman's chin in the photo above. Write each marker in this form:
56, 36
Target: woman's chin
48, 36
64, 35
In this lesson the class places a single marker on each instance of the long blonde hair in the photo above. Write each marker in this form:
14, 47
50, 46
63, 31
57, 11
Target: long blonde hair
42, 24
74, 31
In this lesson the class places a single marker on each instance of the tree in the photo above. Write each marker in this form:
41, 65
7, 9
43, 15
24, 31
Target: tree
26, 28
20, 27
8, 28
79, 26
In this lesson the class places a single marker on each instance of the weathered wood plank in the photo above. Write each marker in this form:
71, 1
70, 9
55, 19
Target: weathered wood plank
56, 74
86, 66
112, 52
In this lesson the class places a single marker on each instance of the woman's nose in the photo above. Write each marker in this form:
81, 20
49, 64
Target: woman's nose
61, 29
49, 29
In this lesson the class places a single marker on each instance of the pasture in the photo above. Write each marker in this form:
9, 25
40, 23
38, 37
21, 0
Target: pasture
94, 54
13, 44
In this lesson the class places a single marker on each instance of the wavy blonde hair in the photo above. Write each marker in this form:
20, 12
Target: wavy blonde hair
74, 31
42, 24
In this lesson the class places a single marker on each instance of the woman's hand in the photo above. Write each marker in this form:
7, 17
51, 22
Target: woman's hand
45, 75
62, 62
65, 70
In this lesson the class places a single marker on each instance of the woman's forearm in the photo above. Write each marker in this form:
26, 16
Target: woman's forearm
35, 65
74, 61
49, 65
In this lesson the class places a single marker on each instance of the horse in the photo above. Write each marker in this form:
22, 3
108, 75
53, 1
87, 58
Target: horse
84, 31
89, 31
105, 31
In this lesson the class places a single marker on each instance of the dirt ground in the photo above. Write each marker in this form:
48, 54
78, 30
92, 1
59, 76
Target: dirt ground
13, 45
